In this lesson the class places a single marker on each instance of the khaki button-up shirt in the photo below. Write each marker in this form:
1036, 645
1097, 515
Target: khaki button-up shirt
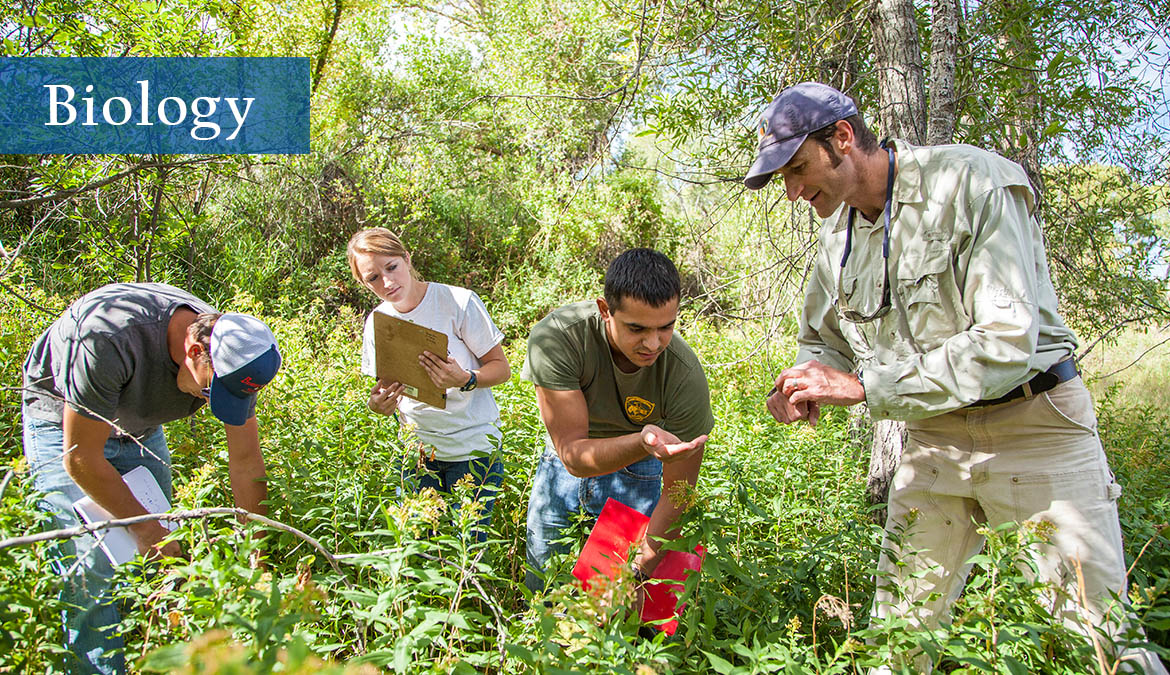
974, 313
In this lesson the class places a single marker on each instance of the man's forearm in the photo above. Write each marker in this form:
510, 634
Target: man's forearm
587, 457
104, 485
246, 467
250, 485
85, 462
663, 518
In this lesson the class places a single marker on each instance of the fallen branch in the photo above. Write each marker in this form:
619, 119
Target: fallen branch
193, 514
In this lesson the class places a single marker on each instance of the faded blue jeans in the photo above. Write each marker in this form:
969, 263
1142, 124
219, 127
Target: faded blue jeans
557, 495
91, 620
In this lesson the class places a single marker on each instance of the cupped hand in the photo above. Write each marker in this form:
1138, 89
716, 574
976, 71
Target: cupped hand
667, 447
786, 412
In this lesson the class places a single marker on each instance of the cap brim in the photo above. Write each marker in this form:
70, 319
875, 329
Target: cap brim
770, 160
227, 407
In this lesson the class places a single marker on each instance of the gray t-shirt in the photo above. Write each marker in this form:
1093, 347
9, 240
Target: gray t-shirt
107, 354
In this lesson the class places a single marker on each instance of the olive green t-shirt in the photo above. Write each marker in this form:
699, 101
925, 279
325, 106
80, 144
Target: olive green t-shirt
568, 350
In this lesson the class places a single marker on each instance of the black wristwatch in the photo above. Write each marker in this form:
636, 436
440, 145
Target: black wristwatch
471, 382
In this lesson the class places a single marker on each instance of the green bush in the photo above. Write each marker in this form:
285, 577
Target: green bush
786, 586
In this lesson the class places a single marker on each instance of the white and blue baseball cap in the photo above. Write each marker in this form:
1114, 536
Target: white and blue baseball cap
244, 358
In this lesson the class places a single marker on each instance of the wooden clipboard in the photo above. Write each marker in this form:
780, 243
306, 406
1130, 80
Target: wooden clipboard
397, 346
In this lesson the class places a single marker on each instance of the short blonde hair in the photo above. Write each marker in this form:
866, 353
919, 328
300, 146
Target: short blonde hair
375, 241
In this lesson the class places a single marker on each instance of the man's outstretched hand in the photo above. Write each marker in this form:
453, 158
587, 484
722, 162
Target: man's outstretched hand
667, 447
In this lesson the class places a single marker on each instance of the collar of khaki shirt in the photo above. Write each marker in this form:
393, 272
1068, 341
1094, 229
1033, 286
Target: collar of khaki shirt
907, 186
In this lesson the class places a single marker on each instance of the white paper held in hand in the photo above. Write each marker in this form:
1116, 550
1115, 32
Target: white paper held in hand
117, 542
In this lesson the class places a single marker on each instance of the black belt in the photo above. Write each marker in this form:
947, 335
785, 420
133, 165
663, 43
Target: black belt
1061, 372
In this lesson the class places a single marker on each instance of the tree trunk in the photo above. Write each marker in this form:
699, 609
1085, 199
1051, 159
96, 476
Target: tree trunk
1025, 129
885, 454
944, 37
902, 114
898, 61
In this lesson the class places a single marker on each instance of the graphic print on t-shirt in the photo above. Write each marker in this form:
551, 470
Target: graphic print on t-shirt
638, 408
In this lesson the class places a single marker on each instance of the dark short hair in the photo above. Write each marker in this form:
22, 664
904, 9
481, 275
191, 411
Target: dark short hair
200, 331
864, 139
643, 274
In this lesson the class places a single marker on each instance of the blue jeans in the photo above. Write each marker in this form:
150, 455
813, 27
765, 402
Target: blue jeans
557, 495
485, 472
91, 620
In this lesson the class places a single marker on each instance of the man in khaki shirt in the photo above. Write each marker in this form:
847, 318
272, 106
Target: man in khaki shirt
931, 301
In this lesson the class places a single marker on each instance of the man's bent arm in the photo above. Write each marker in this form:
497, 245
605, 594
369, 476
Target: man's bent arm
246, 466
566, 416
666, 513
85, 462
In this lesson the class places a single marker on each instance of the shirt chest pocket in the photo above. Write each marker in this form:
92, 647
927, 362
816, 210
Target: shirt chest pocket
861, 291
922, 276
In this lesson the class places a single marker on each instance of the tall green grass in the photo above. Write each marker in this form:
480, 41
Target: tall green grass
786, 586
1132, 370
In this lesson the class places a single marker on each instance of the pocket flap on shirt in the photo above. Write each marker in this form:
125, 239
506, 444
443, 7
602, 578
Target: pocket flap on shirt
848, 284
918, 263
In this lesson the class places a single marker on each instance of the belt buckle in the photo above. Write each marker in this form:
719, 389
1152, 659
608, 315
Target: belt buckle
1043, 382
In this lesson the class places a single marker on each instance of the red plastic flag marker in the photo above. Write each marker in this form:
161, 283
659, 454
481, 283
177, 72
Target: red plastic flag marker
661, 600
618, 529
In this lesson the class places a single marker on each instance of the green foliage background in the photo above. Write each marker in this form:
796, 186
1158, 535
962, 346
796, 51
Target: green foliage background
517, 145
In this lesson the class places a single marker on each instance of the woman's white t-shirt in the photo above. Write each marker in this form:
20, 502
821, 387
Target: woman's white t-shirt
470, 424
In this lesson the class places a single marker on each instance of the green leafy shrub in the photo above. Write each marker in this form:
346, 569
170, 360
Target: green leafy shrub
399, 584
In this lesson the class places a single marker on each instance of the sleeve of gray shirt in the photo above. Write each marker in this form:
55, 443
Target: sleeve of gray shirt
93, 376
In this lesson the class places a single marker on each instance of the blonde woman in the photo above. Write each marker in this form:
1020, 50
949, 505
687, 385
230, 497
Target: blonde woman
460, 439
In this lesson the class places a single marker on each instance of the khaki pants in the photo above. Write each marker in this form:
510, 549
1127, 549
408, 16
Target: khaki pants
1037, 459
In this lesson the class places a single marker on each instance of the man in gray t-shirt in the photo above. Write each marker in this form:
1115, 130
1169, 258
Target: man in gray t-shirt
98, 383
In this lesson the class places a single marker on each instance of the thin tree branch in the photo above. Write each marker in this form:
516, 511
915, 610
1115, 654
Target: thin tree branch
321, 57
62, 194
27, 301
1107, 333
1136, 360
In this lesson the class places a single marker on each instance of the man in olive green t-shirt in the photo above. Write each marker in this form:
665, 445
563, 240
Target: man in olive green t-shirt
625, 403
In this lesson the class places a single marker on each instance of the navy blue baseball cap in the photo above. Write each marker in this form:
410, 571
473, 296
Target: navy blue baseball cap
795, 113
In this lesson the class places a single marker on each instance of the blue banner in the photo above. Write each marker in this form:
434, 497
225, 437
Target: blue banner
183, 105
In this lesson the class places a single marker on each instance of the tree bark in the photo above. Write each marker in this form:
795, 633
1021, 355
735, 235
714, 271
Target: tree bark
944, 47
885, 454
898, 62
